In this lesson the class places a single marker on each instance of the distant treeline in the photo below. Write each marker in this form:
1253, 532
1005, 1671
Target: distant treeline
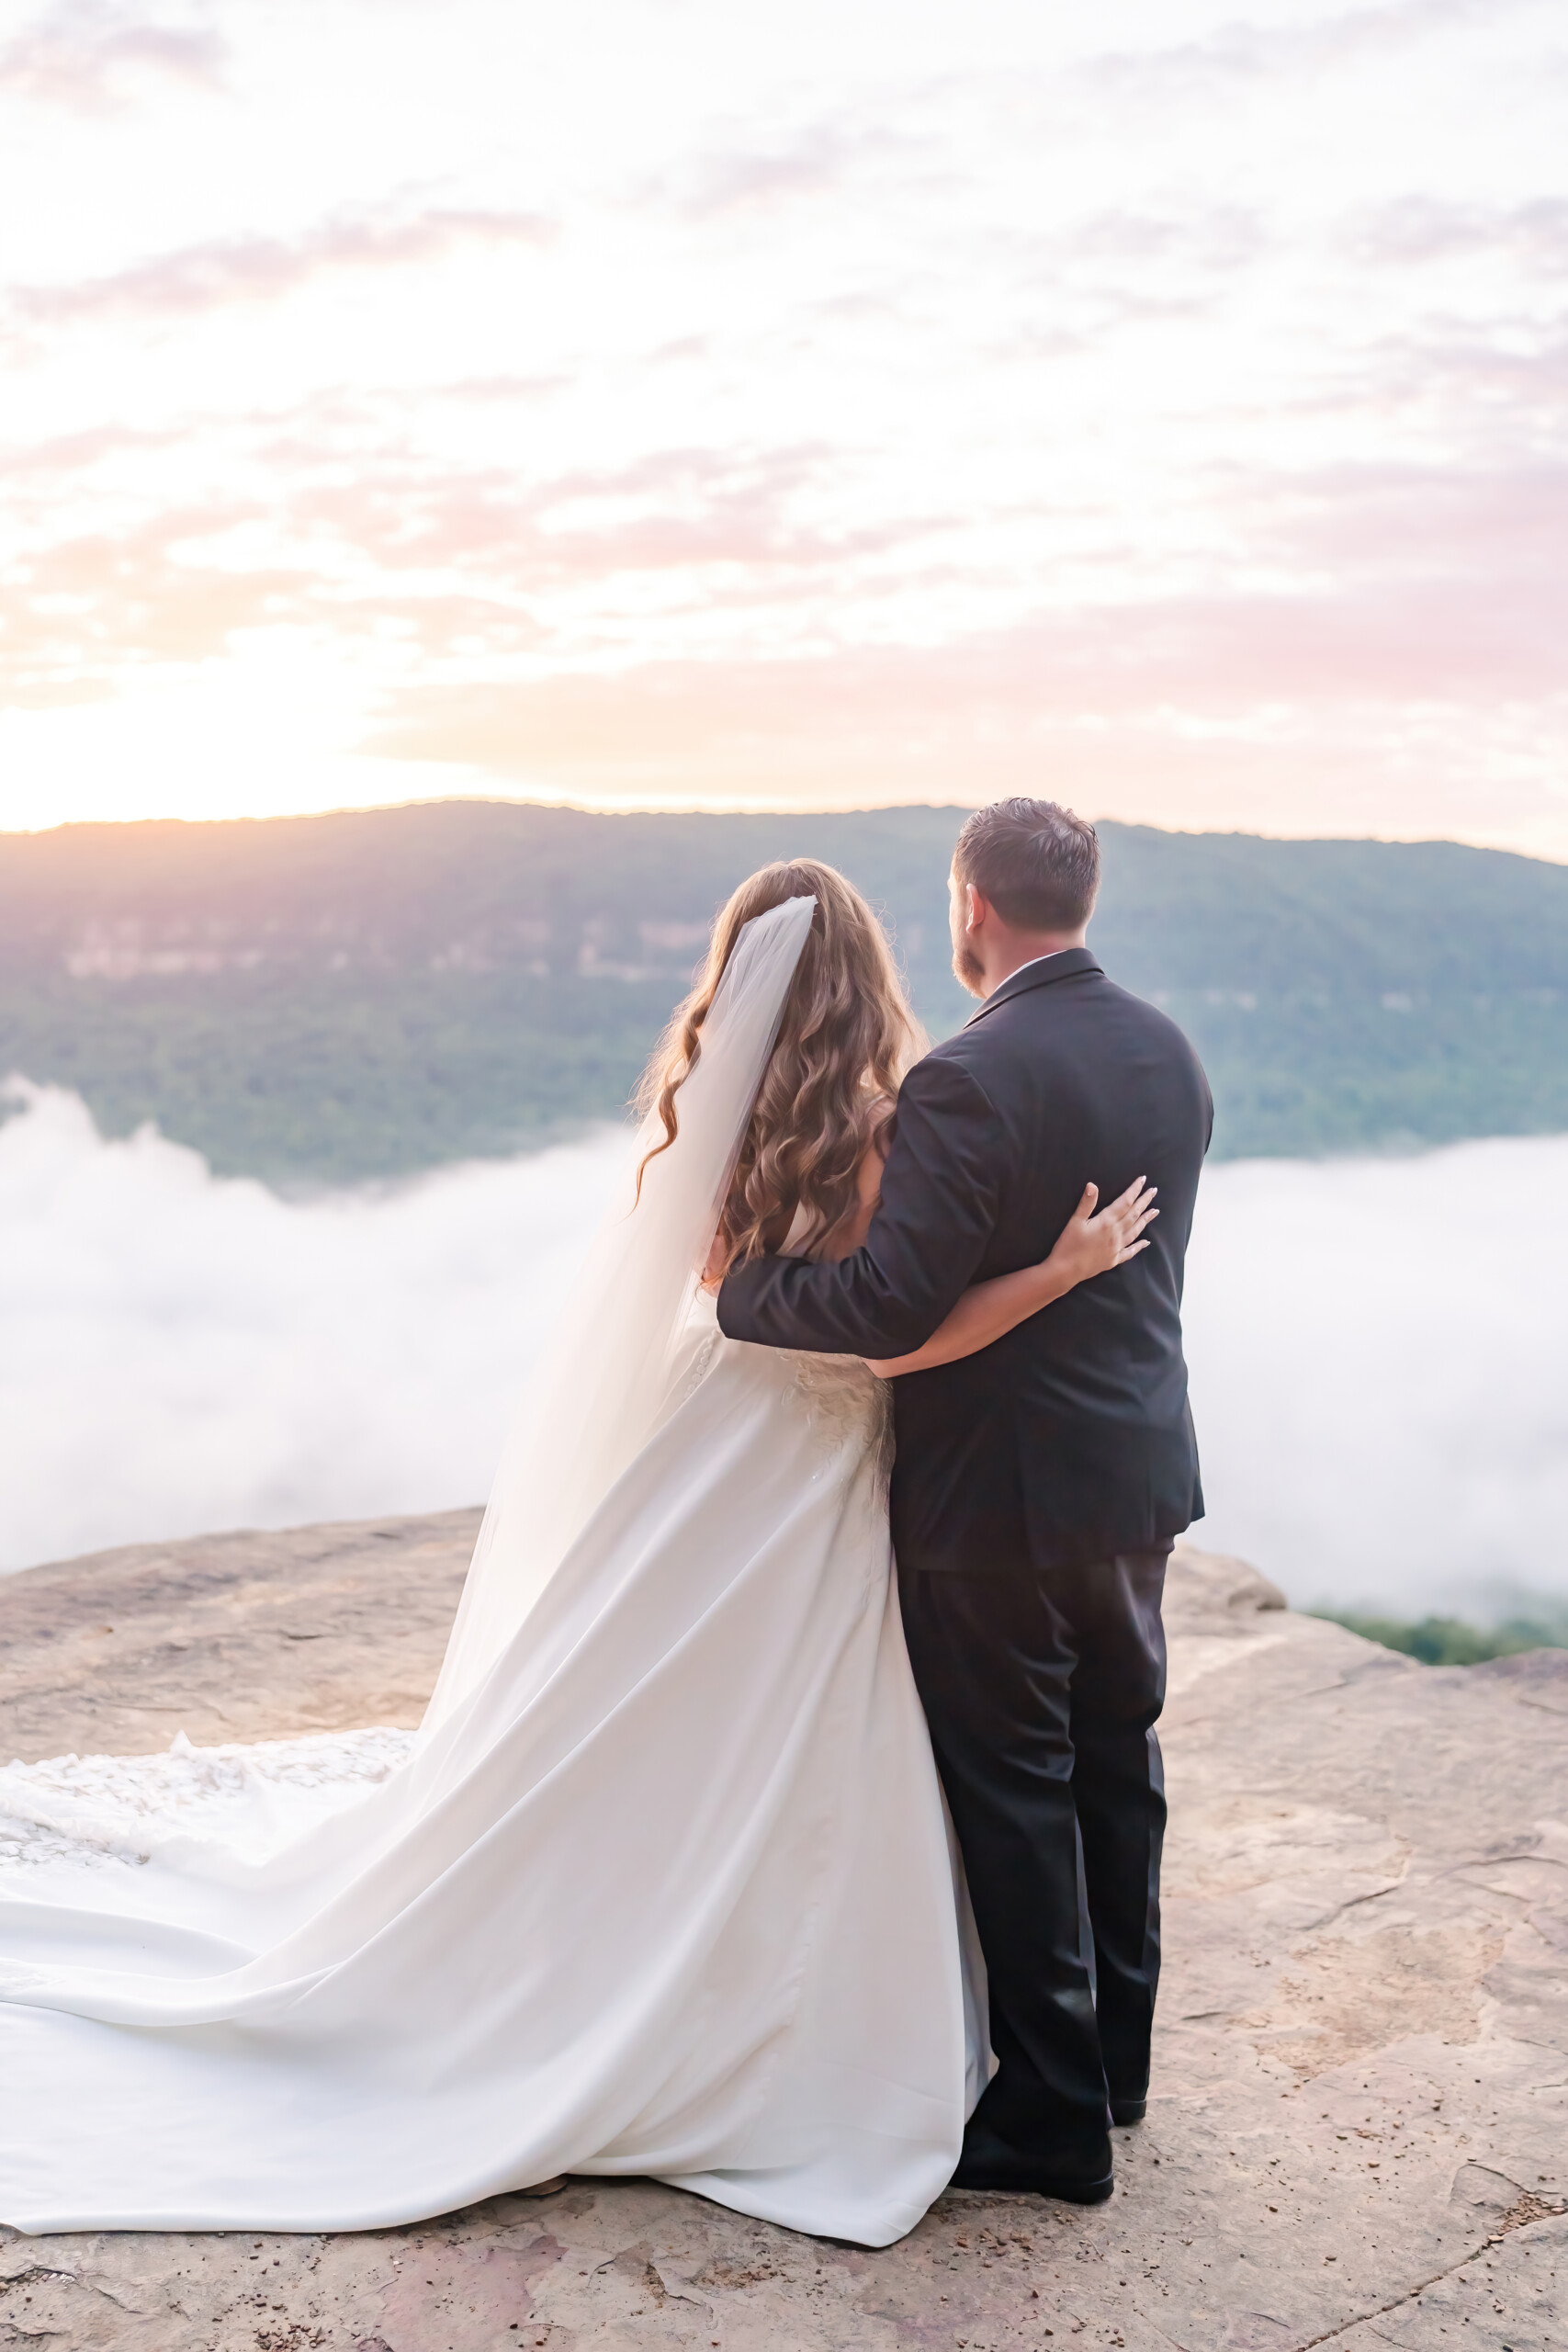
1453, 1641
337, 998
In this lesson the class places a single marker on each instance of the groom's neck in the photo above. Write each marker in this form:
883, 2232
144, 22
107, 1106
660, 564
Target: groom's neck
1007, 951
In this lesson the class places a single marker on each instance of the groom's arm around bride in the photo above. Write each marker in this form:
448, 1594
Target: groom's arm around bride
1039, 1483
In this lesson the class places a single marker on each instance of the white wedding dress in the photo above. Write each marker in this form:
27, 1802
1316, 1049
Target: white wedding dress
663, 1885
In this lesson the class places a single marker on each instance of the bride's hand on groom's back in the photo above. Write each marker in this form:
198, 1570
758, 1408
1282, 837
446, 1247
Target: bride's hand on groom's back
1088, 1245
1092, 1243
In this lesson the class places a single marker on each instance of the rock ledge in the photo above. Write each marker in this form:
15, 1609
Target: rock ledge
1359, 2129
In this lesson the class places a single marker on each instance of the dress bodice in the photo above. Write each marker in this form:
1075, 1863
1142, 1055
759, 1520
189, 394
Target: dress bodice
839, 1395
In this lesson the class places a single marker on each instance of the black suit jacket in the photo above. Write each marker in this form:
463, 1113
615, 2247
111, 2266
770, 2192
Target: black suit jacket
1070, 1439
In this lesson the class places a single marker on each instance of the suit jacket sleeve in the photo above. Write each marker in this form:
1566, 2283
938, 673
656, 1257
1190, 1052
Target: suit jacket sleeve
939, 1194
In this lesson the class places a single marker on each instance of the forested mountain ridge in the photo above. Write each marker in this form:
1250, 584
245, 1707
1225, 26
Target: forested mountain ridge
364, 994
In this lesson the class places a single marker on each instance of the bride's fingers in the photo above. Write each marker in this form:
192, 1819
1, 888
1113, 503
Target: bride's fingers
1086, 1206
1134, 1212
1131, 1250
1130, 1220
1137, 1197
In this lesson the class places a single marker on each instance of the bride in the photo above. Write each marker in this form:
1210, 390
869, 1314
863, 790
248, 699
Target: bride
663, 1884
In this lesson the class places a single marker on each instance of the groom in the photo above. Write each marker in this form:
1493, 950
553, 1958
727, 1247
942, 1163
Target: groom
1038, 1484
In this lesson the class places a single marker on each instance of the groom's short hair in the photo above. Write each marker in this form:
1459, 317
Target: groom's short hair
1035, 862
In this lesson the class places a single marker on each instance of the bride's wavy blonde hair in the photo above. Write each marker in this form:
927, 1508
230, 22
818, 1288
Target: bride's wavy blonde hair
846, 1038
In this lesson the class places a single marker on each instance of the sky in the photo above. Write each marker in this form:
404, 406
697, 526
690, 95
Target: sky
662, 402
1376, 1384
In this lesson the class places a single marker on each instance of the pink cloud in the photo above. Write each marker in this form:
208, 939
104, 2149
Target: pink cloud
1242, 55
199, 279
1213, 237
1420, 229
1418, 581
760, 178
673, 511
903, 716
78, 612
89, 56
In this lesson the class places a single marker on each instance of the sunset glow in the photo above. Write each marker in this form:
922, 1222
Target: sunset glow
676, 404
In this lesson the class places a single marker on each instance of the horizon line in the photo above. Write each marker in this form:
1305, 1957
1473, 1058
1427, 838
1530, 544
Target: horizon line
752, 809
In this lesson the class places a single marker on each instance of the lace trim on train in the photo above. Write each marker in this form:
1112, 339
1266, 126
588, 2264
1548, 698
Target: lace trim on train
110, 1810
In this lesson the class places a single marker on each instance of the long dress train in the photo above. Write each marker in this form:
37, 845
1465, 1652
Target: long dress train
666, 1888
676, 1896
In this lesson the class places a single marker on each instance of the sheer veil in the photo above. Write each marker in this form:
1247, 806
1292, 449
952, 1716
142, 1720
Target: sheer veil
602, 1382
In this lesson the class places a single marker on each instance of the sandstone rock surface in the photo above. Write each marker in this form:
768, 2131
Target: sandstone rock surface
1358, 2130
240, 1636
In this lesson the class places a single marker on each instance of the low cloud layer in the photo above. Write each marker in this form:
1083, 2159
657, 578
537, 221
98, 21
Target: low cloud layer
1376, 1349
1377, 1373
179, 1353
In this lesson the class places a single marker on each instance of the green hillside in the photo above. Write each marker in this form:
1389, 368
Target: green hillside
335, 997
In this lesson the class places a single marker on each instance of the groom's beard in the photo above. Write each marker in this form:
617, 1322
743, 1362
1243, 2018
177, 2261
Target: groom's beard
969, 970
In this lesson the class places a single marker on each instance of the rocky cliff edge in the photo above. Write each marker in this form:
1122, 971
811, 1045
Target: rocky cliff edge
1358, 2135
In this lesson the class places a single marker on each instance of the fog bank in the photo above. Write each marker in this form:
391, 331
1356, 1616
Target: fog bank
180, 1352
1377, 1350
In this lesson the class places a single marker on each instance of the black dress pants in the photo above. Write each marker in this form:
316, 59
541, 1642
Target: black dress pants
1041, 1687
